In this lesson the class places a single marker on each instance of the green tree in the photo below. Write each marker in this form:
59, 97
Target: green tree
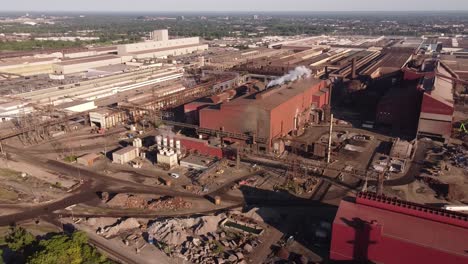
72, 249
18, 238
1, 257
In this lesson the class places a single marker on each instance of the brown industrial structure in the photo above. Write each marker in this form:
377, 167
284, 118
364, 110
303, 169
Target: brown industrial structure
270, 114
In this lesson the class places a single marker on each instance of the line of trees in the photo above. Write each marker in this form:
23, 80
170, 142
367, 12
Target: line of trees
22, 247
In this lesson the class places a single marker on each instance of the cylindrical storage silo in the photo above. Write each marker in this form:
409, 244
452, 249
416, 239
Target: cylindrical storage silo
178, 147
159, 141
217, 200
165, 142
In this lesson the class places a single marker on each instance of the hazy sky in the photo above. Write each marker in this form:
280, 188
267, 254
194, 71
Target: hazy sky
232, 5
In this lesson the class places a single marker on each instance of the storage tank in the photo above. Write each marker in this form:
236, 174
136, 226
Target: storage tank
165, 142
137, 142
178, 147
159, 141
217, 200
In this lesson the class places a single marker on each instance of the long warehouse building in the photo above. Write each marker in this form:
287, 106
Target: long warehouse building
86, 63
102, 87
161, 46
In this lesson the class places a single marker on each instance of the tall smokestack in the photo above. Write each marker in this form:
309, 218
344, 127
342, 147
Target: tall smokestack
353, 69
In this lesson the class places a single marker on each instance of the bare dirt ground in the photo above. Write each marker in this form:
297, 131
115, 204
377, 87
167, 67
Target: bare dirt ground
36, 172
102, 209
18, 186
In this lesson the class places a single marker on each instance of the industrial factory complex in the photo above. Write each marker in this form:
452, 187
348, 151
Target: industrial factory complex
360, 140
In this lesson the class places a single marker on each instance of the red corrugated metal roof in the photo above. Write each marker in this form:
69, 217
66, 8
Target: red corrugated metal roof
404, 226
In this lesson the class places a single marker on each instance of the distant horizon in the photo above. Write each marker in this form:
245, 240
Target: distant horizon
227, 11
220, 6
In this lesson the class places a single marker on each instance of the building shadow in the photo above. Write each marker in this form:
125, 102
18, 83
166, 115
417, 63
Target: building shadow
307, 221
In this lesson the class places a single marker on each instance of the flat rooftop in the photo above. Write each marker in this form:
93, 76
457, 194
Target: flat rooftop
24, 61
88, 59
275, 96
458, 64
443, 88
125, 150
410, 229
165, 49
73, 103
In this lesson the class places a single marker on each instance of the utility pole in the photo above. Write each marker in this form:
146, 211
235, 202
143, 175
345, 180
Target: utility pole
364, 187
237, 158
330, 139
1, 148
105, 147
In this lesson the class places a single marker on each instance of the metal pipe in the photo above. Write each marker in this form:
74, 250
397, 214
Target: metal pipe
330, 139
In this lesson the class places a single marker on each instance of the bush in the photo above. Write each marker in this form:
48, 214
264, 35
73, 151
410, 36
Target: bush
70, 159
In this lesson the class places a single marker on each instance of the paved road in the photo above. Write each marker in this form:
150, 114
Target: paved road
83, 194
93, 182
415, 166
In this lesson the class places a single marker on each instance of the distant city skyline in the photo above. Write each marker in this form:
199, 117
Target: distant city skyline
233, 6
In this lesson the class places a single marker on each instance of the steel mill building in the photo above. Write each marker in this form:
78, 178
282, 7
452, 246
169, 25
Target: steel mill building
268, 115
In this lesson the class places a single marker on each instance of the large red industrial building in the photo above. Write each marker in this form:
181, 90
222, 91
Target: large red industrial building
269, 114
437, 105
429, 103
379, 229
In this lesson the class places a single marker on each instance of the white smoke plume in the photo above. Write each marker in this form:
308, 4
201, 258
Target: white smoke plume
293, 75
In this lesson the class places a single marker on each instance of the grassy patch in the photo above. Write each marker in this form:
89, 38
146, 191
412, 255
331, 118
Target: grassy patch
3, 232
243, 227
289, 186
9, 173
70, 158
57, 185
7, 195
40, 229
218, 248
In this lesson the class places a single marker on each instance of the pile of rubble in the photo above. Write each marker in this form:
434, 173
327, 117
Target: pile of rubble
172, 203
457, 155
138, 202
128, 201
176, 231
216, 247
199, 240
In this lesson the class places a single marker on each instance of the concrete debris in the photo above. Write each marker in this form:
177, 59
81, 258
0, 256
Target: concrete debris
248, 248
119, 227
198, 240
176, 231
105, 196
458, 156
